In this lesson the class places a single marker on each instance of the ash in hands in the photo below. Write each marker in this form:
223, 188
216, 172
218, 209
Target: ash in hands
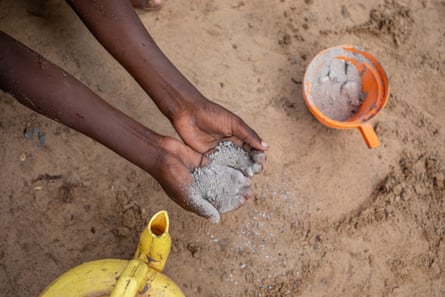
226, 181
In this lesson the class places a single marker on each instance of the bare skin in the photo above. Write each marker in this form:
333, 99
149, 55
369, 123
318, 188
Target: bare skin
215, 181
47, 89
198, 121
149, 5
225, 181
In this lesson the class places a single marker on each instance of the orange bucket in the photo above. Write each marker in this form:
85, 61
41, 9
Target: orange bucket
374, 89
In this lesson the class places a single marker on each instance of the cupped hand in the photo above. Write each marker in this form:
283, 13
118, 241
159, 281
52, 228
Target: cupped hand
175, 161
203, 124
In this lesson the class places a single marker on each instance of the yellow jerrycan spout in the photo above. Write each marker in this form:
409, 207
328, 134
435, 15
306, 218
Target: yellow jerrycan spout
155, 242
139, 277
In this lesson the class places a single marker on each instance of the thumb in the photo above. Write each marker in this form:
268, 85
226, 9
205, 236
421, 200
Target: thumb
242, 131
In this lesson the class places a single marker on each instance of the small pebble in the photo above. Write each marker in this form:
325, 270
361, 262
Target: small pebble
22, 157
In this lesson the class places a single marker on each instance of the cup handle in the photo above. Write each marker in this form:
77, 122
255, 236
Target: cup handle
369, 135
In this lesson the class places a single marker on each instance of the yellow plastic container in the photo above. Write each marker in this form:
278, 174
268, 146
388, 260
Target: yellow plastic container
140, 276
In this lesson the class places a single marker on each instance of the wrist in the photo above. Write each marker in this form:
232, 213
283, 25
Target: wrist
170, 90
176, 96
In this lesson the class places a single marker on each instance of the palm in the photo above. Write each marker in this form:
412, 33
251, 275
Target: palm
173, 174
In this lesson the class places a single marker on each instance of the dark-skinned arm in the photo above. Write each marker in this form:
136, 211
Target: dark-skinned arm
199, 122
49, 90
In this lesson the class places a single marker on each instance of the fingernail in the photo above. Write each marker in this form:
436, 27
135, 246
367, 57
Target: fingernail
214, 219
264, 144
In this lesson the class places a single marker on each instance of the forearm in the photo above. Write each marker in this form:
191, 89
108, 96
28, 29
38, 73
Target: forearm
47, 89
118, 28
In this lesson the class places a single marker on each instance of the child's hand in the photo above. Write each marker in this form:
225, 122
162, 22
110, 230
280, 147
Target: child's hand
203, 124
175, 161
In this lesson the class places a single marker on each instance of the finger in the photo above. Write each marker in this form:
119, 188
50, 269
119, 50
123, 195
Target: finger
228, 154
250, 171
247, 135
240, 180
259, 159
231, 203
248, 193
203, 208
148, 5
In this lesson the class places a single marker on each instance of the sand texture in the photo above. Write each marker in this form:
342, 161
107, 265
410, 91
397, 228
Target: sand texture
329, 218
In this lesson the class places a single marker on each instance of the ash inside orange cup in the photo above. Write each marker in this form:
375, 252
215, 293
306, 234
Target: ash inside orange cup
345, 87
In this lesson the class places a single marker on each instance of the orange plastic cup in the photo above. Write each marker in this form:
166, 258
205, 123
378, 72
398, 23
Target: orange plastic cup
374, 85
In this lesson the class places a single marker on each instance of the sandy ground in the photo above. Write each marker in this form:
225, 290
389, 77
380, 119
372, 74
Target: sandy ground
330, 216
